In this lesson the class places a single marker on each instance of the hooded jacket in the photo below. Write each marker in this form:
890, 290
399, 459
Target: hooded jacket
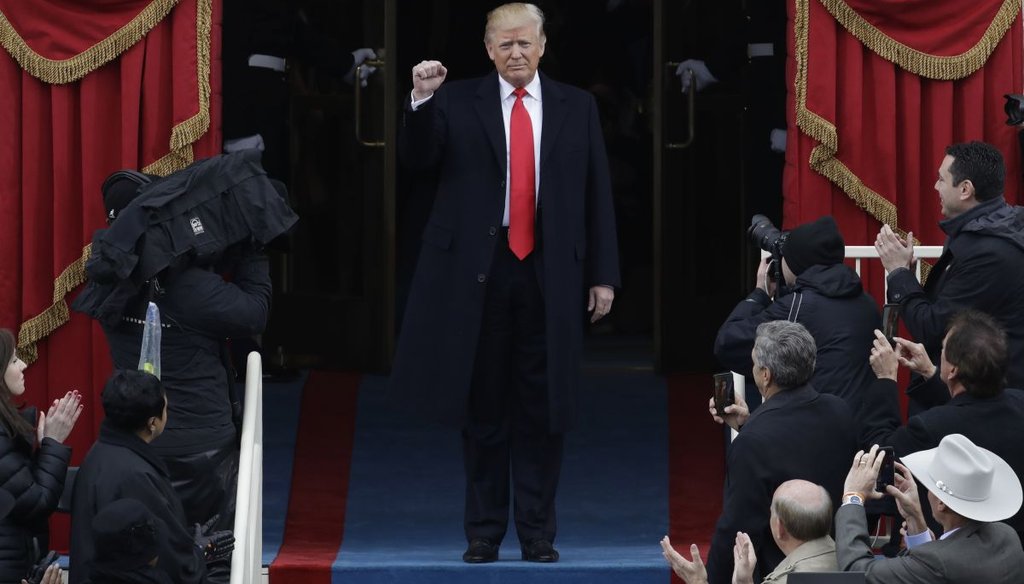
831, 303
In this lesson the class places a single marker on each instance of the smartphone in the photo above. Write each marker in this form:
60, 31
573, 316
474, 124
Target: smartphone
890, 322
725, 393
887, 473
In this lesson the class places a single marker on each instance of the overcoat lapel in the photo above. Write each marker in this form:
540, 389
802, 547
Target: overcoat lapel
554, 115
488, 107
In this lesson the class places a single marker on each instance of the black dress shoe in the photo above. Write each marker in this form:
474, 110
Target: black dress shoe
480, 551
539, 550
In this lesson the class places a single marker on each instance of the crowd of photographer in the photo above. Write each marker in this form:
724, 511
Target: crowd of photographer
952, 472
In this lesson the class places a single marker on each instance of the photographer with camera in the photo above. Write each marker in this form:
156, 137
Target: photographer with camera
806, 281
220, 290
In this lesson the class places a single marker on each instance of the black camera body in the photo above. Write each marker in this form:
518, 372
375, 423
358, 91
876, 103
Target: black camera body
765, 235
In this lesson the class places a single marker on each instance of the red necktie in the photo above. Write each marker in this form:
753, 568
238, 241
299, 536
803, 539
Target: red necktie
522, 181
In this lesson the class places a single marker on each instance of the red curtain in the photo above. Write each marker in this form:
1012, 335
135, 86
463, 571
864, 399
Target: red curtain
88, 87
879, 90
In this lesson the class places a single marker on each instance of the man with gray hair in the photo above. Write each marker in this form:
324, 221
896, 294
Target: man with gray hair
797, 433
801, 518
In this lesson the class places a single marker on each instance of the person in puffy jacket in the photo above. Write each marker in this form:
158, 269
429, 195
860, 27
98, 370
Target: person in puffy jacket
33, 464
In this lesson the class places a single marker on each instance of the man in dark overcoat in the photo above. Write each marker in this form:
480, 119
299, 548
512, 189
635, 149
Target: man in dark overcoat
522, 229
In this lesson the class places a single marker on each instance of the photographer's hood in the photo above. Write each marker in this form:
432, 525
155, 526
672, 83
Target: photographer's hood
187, 217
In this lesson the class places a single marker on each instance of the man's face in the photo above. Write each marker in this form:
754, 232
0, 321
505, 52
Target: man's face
945, 367
758, 372
950, 195
516, 52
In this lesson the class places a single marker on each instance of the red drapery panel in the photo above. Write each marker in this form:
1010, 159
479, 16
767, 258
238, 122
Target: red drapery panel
88, 87
879, 90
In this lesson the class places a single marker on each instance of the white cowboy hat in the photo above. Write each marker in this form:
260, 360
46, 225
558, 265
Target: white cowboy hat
970, 480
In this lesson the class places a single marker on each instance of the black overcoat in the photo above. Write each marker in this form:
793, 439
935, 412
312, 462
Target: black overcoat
460, 133
119, 466
796, 434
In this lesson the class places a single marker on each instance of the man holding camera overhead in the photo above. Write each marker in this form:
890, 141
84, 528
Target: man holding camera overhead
819, 292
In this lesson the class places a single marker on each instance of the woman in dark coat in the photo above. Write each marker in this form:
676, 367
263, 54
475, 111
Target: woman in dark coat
121, 465
33, 464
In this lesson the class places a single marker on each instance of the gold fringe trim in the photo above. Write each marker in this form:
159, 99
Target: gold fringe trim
40, 326
58, 72
183, 135
944, 68
823, 157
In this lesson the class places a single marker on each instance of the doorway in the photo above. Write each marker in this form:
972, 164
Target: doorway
340, 289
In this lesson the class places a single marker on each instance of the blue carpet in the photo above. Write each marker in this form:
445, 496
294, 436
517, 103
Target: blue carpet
404, 519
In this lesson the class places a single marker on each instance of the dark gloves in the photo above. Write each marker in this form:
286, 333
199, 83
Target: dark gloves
216, 545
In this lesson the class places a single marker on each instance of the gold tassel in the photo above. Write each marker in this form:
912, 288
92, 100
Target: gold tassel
59, 72
922, 64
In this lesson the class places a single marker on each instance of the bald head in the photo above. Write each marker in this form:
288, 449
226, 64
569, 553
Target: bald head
803, 508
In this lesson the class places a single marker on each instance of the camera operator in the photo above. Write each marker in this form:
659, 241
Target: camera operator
199, 308
819, 292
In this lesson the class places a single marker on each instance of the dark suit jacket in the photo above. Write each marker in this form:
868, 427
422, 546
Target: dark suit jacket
460, 133
994, 423
977, 552
796, 434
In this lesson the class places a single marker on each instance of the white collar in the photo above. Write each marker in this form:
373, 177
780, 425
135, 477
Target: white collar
532, 88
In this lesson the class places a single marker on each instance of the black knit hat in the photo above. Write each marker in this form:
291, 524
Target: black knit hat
816, 243
127, 534
120, 188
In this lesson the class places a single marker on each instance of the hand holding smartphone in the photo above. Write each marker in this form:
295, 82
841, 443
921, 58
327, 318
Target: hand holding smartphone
890, 322
887, 473
725, 392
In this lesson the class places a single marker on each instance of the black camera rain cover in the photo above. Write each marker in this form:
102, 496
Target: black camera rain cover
183, 218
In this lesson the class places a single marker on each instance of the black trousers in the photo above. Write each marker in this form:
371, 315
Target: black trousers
507, 440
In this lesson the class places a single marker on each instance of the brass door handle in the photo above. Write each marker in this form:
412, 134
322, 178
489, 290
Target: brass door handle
358, 83
691, 109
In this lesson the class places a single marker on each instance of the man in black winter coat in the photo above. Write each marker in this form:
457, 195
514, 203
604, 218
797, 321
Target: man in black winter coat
821, 293
121, 465
973, 366
980, 266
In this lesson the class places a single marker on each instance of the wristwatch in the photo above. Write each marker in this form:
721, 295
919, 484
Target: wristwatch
854, 497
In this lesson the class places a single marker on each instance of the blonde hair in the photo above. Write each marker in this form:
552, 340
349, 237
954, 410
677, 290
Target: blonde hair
514, 15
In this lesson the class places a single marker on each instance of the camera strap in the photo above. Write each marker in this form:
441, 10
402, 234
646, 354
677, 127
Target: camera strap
794, 308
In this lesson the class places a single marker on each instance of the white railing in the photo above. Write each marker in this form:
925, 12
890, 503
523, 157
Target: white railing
247, 560
857, 253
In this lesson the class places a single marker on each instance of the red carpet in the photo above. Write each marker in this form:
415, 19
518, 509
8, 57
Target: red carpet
316, 507
696, 453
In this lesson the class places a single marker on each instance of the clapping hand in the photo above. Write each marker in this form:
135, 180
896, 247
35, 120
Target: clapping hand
893, 251
692, 572
58, 422
744, 559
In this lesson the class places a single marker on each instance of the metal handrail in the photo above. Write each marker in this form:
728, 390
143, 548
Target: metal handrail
247, 559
